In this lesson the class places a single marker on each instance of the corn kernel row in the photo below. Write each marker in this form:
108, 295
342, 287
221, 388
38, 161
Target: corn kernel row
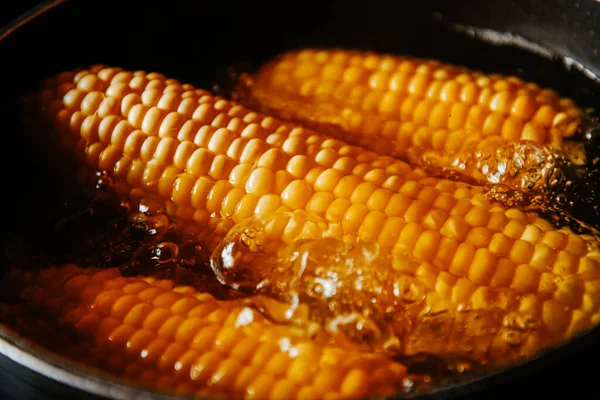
216, 163
365, 79
174, 338
420, 110
234, 163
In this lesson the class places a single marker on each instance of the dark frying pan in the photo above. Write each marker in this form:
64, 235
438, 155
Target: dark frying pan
196, 41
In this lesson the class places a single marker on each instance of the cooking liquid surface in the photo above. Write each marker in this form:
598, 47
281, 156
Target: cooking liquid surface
313, 277
315, 280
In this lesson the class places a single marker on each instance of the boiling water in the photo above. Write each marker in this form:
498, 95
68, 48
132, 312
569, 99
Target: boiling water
320, 279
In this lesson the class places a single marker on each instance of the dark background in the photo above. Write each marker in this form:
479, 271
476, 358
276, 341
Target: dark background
10, 9
576, 377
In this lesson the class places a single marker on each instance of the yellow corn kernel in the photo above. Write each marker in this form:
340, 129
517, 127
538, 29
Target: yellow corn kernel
429, 107
189, 350
219, 175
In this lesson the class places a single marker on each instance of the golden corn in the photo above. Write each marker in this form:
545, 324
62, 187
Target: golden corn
217, 163
422, 110
508, 306
174, 338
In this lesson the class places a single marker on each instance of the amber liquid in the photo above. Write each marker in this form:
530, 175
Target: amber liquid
318, 278
314, 277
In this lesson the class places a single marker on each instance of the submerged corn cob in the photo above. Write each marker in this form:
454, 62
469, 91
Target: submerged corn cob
429, 309
217, 163
175, 338
422, 110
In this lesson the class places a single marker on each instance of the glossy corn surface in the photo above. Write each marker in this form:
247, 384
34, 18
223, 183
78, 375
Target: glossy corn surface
218, 164
423, 110
174, 338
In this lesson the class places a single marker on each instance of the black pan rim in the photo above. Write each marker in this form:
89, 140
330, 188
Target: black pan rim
60, 369
27, 16
95, 381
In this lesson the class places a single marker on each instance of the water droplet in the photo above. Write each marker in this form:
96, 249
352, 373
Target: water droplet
166, 252
252, 240
150, 207
561, 199
356, 326
103, 182
409, 290
462, 367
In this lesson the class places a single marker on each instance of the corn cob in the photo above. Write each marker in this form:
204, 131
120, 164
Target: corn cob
406, 305
172, 337
216, 163
421, 110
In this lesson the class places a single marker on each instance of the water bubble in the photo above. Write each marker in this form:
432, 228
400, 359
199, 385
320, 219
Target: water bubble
356, 326
297, 259
150, 206
239, 260
166, 252
103, 182
409, 290
561, 199
252, 239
